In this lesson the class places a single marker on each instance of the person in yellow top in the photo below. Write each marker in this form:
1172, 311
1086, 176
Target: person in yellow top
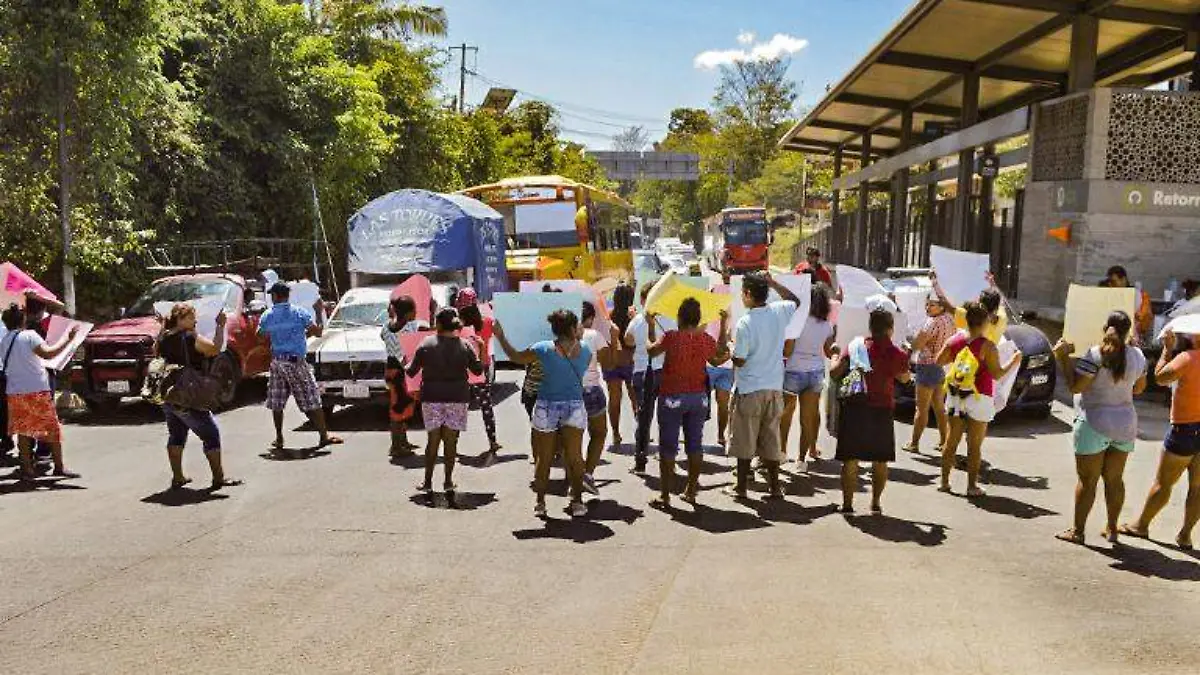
1143, 320
992, 300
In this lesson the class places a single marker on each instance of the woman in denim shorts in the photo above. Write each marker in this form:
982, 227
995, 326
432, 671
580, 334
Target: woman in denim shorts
683, 393
928, 343
804, 374
559, 415
616, 360
1181, 447
595, 403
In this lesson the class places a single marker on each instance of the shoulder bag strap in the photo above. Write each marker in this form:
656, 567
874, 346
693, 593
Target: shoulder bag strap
12, 343
569, 361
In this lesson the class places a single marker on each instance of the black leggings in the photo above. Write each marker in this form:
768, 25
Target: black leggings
481, 394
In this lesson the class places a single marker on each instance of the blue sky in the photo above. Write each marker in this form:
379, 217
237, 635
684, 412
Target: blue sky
618, 62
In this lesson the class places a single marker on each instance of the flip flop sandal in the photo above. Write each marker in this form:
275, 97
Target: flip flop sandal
333, 440
1070, 536
915, 449
225, 482
176, 484
1184, 546
1129, 531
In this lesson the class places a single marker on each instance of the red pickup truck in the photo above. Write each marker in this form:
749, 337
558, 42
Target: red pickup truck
112, 362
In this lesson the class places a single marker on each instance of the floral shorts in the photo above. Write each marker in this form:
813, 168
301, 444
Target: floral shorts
453, 416
550, 416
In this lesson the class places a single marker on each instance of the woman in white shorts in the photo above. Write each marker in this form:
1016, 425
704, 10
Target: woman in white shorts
559, 414
970, 385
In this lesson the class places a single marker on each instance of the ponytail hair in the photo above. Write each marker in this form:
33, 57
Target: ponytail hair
1112, 348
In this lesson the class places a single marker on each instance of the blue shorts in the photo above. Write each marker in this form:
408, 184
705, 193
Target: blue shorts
619, 374
1183, 439
720, 379
802, 383
594, 401
929, 375
681, 412
200, 422
1088, 441
550, 416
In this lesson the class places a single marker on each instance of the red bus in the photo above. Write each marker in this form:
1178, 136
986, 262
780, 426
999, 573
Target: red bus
742, 239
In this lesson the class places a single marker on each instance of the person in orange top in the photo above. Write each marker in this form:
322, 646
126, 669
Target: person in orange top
1181, 447
1143, 319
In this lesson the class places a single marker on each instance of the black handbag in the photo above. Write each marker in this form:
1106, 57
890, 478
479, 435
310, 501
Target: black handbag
190, 387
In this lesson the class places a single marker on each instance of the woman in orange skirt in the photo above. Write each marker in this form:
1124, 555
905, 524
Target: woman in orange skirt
402, 318
31, 413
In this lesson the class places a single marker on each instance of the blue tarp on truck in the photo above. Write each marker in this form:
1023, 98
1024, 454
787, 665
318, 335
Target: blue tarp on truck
417, 232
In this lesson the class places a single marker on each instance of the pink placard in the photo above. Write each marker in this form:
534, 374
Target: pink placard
418, 288
409, 343
17, 281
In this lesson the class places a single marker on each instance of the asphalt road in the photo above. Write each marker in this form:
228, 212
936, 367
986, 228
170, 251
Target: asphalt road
329, 564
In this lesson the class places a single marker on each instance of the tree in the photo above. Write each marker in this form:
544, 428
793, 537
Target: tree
689, 123
632, 139
753, 100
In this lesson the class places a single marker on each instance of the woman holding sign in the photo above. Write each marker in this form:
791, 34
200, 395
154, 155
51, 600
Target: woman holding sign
683, 394
804, 373
179, 345
1181, 447
443, 361
1104, 380
31, 412
970, 387
468, 310
559, 414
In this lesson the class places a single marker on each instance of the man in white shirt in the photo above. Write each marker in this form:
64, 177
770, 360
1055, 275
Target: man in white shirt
758, 379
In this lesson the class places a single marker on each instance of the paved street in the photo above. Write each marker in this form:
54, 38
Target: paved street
329, 564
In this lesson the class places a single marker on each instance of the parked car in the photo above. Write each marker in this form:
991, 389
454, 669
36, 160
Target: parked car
349, 358
112, 362
646, 259
1033, 391
678, 265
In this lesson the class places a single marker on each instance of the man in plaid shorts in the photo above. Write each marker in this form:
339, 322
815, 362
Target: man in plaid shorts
289, 328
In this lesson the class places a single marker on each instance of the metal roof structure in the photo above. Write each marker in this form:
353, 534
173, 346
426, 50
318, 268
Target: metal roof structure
1019, 49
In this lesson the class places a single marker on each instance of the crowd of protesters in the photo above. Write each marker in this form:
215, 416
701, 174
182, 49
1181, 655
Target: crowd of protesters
674, 369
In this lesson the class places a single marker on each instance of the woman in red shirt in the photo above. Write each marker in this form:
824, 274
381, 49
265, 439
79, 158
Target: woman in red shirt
866, 432
683, 393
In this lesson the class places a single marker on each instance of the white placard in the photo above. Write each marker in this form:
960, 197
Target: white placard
1188, 324
303, 294
801, 285
59, 326
912, 306
854, 322
206, 316
857, 285
961, 274
523, 315
1003, 388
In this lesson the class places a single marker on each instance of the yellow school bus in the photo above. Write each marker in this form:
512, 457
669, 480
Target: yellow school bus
560, 229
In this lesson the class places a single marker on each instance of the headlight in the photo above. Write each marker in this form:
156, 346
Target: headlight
1039, 361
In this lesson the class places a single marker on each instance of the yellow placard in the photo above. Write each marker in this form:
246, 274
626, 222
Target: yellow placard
669, 293
1088, 308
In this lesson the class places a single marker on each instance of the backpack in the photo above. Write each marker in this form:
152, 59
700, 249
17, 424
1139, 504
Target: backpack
961, 378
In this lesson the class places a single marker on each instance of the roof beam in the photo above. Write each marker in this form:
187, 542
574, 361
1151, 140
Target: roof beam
795, 144
854, 128
1102, 9
960, 67
895, 104
1150, 45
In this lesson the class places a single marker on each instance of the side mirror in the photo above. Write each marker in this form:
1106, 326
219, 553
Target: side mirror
120, 313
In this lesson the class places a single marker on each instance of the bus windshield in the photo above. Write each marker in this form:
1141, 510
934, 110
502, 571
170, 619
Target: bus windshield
746, 233
540, 225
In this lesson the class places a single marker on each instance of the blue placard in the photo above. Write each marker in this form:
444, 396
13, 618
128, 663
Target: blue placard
523, 315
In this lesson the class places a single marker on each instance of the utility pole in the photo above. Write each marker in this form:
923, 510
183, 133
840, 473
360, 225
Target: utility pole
462, 74
64, 187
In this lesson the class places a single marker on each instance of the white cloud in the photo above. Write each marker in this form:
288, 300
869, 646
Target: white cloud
779, 45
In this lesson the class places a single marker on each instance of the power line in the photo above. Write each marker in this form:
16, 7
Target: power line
563, 104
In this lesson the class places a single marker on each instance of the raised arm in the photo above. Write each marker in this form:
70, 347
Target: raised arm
473, 363
522, 357
1168, 369
655, 344
317, 327
50, 351
1077, 382
991, 358
213, 347
783, 291
937, 288
722, 354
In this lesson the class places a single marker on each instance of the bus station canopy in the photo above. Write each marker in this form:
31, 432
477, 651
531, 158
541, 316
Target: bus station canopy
1019, 49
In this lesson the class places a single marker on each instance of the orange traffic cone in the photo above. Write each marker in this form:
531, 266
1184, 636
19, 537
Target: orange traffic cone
1062, 233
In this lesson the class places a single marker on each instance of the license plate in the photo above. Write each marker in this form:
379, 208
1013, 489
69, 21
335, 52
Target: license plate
1041, 378
356, 390
117, 387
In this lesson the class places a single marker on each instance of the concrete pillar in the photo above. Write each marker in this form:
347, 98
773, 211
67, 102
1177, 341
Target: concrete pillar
1193, 45
966, 163
1081, 69
982, 242
900, 194
835, 210
864, 199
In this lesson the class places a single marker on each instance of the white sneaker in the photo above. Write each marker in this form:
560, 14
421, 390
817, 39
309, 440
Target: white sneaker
578, 510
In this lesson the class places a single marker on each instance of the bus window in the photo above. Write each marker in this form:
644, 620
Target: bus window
602, 237
745, 233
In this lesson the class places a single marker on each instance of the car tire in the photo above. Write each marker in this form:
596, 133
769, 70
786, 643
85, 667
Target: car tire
226, 369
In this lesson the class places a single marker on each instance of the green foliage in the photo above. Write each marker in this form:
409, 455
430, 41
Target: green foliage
205, 119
